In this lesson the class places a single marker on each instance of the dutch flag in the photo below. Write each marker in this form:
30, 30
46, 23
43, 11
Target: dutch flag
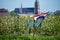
40, 16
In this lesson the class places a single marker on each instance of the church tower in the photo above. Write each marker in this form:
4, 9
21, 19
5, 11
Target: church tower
37, 7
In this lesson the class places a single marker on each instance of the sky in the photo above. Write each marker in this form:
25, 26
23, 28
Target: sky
45, 5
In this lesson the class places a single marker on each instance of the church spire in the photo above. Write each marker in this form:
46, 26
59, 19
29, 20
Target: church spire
21, 9
21, 5
36, 0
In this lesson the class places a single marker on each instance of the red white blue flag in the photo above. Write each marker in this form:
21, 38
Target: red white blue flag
38, 16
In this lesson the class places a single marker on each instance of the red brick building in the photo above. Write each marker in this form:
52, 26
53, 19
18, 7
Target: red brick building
4, 12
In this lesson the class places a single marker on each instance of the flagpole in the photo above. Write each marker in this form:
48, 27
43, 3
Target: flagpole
41, 23
34, 23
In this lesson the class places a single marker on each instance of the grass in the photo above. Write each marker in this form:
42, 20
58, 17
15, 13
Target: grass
26, 37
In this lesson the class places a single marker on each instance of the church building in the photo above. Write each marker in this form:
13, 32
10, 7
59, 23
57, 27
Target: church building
28, 11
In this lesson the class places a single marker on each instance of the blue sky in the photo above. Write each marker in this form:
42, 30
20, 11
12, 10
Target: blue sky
45, 5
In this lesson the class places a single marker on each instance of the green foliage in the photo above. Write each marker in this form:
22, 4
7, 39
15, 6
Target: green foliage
26, 37
12, 13
17, 25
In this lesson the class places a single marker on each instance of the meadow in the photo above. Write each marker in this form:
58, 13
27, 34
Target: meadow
15, 28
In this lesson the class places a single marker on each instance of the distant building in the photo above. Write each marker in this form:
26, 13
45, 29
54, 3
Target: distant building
57, 12
3, 12
24, 10
31, 10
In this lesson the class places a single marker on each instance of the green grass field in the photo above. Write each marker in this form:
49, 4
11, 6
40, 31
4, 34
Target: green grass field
26, 37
